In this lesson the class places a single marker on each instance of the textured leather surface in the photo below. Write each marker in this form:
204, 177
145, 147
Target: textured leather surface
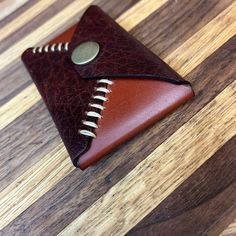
65, 93
121, 54
134, 103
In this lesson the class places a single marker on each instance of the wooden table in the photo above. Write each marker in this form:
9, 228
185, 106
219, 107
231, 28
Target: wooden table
175, 178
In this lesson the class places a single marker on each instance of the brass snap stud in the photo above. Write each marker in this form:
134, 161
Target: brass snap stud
85, 53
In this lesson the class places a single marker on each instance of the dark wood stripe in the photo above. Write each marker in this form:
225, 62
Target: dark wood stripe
199, 202
75, 193
223, 223
18, 151
13, 82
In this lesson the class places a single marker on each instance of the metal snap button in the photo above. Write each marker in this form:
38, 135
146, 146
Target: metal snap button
85, 52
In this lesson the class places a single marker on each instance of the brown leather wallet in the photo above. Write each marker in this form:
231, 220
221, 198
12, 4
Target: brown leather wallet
100, 103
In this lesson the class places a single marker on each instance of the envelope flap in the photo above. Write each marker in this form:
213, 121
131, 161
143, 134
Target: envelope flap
121, 55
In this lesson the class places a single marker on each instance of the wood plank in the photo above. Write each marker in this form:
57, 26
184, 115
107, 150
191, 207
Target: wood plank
199, 202
7, 7
207, 40
224, 222
149, 183
141, 11
24, 18
26, 98
231, 230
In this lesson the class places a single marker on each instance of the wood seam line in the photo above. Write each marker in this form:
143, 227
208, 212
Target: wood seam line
24, 18
36, 36
150, 182
7, 8
18, 181
184, 67
230, 230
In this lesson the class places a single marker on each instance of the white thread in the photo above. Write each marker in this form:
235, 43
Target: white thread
59, 46
99, 97
98, 106
87, 133
66, 46
46, 48
40, 49
102, 89
106, 81
93, 114
89, 123
51, 48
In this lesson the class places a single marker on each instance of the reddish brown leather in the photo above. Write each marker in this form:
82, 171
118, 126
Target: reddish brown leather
132, 106
121, 54
134, 103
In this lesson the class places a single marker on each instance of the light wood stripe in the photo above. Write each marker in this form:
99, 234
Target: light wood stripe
9, 6
230, 231
139, 12
127, 202
182, 65
18, 105
31, 93
22, 206
29, 187
208, 39
25, 17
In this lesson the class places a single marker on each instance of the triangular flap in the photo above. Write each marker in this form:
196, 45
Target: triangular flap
121, 55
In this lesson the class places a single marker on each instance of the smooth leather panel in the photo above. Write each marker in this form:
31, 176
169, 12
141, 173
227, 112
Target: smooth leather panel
133, 105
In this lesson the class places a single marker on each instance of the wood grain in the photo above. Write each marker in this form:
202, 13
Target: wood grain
231, 230
161, 172
204, 204
41, 193
7, 7
23, 18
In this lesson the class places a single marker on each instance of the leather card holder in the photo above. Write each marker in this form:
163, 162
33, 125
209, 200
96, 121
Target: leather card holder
98, 105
